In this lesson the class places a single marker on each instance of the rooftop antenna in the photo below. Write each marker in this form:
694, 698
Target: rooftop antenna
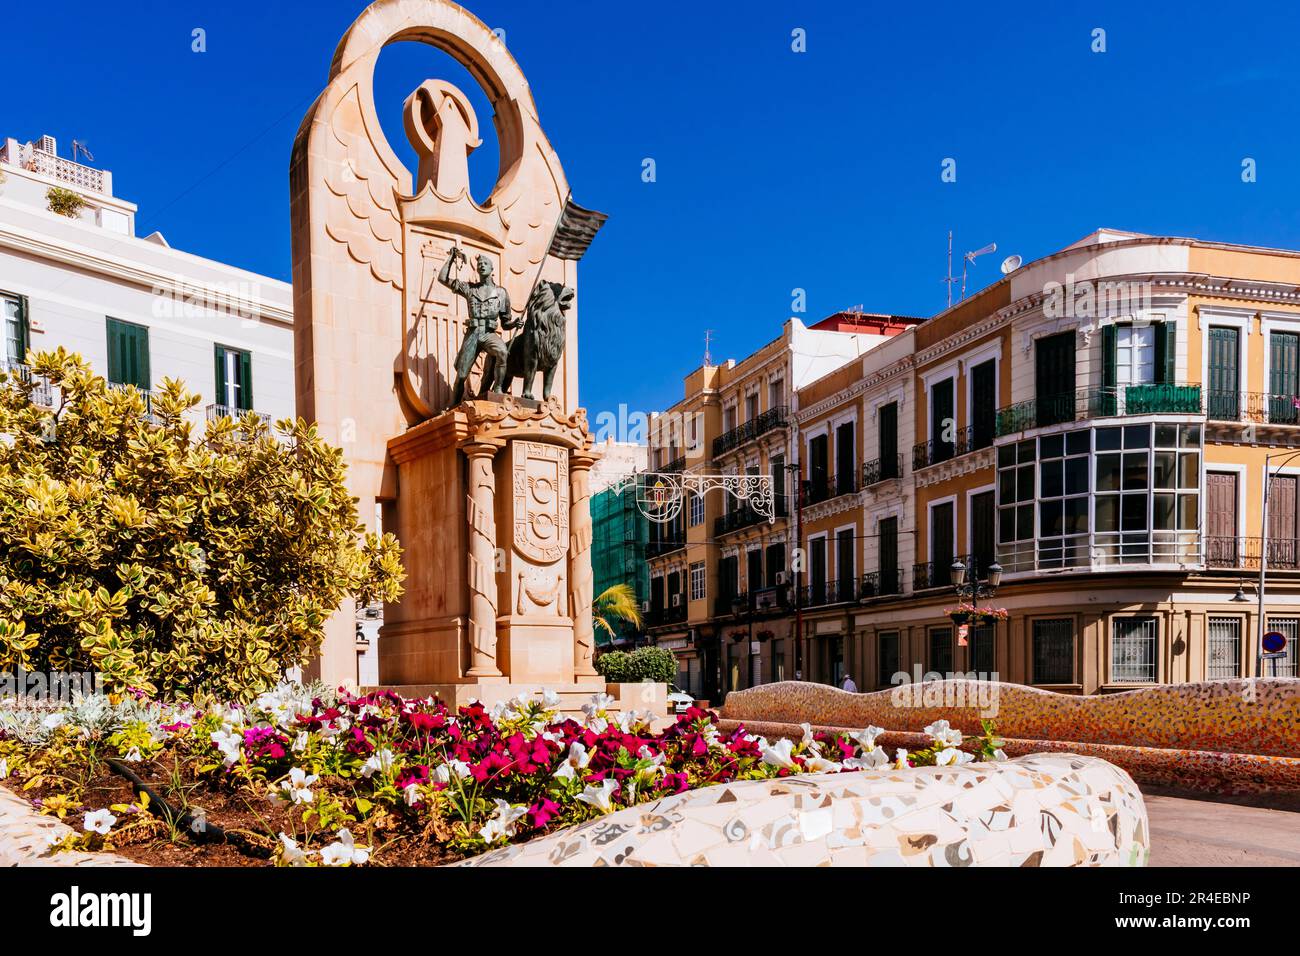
708, 358
949, 280
969, 259
79, 147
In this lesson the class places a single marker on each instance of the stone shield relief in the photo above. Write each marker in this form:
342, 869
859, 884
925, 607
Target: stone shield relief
541, 526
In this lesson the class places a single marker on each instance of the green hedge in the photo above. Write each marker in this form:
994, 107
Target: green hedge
653, 664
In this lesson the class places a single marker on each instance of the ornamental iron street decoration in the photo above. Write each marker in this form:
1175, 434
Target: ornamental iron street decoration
659, 494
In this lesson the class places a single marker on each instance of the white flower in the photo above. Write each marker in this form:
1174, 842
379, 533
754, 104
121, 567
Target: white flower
300, 742
345, 852
867, 738
999, 755
577, 759
4, 768
550, 699
600, 795
54, 721
900, 759
595, 712
868, 760
807, 734
951, 756
411, 794
381, 762
229, 743
444, 771
291, 853
99, 821
944, 734
132, 755
778, 754
503, 822
296, 787
816, 763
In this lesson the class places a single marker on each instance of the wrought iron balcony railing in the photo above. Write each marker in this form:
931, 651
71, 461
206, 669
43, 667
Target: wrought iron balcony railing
1089, 403
825, 487
881, 469
1260, 408
938, 574
880, 584
760, 424
1242, 553
216, 411
926, 453
42, 393
829, 592
657, 617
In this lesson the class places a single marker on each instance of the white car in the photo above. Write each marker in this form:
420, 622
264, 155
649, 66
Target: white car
679, 702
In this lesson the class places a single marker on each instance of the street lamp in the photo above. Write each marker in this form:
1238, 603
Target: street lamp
975, 589
1263, 553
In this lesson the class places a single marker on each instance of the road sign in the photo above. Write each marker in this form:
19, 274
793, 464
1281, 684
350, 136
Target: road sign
1274, 642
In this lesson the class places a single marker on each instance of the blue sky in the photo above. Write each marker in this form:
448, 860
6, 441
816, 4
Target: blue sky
775, 170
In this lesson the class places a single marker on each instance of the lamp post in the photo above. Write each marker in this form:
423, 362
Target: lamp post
1263, 553
975, 589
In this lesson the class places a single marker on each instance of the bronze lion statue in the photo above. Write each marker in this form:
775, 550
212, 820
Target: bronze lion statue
540, 343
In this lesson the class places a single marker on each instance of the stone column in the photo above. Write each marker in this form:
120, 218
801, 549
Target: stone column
580, 577
480, 512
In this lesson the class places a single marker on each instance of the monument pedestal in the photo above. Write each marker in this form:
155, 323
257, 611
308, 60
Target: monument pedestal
494, 517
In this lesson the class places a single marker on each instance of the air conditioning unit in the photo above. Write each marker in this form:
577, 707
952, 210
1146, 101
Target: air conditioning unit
782, 578
645, 607
677, 600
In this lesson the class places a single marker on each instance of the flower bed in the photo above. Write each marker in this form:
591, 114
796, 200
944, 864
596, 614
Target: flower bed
304, 777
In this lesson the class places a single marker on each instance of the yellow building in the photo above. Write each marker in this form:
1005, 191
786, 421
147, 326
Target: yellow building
1094, 425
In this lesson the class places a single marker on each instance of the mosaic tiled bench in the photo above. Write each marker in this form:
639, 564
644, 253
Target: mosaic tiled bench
1232, 736
25, 838
1041, 810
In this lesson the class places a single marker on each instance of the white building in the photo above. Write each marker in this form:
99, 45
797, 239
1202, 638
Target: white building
136, 309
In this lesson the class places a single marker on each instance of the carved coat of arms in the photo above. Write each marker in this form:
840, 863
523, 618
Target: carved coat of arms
541, 494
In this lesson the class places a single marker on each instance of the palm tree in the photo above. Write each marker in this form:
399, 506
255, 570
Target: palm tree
616, 603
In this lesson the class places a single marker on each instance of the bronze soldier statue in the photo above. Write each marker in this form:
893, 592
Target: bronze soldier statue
489, 305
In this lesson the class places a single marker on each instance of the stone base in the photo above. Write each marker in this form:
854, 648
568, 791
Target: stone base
639, 697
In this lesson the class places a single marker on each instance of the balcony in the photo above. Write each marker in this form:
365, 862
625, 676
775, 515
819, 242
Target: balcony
1242, 553
829, 592
658, 617
1259, 408
1089, 403
934, 451
216, 411
880, 584
1102, 551
881, 469
826, 487
662, 546
760, 424
938, 574
42, 393
64, 170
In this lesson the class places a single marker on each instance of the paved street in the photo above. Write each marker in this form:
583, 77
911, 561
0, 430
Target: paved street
1201, 833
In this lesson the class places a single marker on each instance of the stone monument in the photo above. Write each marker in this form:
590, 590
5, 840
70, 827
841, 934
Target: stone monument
403, 358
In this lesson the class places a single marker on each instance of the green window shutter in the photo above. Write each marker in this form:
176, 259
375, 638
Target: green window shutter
1108, 376
1166, 351
220, 362
128, 354
24, 329
245, 381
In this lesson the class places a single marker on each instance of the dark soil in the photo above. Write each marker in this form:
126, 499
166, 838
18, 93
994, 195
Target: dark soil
252, 827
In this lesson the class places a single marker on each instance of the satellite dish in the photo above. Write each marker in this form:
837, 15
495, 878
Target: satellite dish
1010, 264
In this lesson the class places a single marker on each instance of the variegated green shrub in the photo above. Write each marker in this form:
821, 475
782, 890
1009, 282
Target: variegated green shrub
170, 557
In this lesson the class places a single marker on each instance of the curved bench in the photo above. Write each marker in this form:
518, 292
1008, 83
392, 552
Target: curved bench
1041, 810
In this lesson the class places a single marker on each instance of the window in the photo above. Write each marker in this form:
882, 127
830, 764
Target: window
728, 583
888, 555
846, 465
818, 469
729, 418
817, 571
778, 661
128, 354
775, 562
1016, 506
697, 510
981, 648
778, 486
733, 667
835, 660
776, 393
1053, 651
984, 403
697, 581
943, 422
887, 426
888, 655
754, 570
1147, 493
1285, 667
1223, 655
1063, 466
751, 406
1133, 650
14, 310
234, 378
1135, 354
941, 649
